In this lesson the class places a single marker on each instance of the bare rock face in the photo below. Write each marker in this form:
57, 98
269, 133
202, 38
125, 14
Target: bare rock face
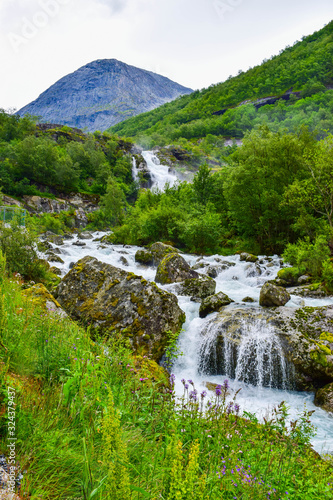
103, 93
174, 269
113, 300
273, 296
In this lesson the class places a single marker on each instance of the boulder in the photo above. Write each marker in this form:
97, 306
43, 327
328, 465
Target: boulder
197, 288
248, 299
85, 236
113, 300
324, 398
288, 276
213, 303
273, 296
52, 257
55, 239
248, 257
41, 296
144, 257
173, 269
123, 261
160, 250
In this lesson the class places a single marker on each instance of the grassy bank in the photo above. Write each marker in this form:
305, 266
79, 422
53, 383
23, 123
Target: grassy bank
93, 421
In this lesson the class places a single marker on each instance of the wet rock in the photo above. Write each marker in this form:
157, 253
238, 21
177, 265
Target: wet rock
85, 236
304, 279
113, 300
160, 250
288, 276
173, 269
68, 236
56, 271
248, 299
212, 271
213, 303
144, 257
123, 260
52, 257
273, 296
197, 288
248, 257
71, 265
79, 243
199, 265
55, 239
324, 398
312, 291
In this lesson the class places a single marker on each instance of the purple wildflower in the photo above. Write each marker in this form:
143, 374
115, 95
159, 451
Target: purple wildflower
226, 384
183, 381
191, 382
218, 391
237, 408
172, 379
193, 395
203, 394
186, 386
230, 408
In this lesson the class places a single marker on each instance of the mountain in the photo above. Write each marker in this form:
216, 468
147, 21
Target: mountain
101, 94
291, 89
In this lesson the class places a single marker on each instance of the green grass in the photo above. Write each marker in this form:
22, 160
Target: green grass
95, 422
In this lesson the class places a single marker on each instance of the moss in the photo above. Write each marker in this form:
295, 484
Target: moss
319, 357
115, 302
326, 336
326, 350
289, 274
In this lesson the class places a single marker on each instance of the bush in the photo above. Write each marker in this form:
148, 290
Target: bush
308, 257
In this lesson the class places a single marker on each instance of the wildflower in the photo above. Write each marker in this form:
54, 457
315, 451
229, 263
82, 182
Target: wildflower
172, 379
226, 385
186, 386
193, 395
237, 408
209, 436
191, 382
230, 408
218, 391
183, 381
203, 394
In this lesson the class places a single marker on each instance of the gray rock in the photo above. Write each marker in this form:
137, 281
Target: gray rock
123, 260
160, 250
144, 257
197, 288
213, 303
174, 269
273, 296
113, 300
248, 257
324, 398
79, 243
85, 236
248, 299
52, 257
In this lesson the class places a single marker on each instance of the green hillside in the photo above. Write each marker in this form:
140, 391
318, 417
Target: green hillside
230, 108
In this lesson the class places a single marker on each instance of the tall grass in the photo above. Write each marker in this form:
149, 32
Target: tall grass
96, 422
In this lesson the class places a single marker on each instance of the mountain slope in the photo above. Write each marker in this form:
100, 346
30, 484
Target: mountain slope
103, 93
306, 67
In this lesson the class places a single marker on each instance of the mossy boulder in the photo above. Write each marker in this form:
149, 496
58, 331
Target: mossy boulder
42, 297
288, 276
248, 299
273, 296
213, 304
144, 257
160, 250
85, 235
52, 257
113, 300
248, 257
197, 288
324, 398
173, 269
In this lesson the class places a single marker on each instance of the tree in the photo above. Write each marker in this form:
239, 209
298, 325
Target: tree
114, 202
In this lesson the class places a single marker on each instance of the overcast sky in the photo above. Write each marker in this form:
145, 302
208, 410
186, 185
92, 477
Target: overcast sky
194, 42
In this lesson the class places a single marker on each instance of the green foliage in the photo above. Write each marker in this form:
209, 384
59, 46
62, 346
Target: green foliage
75, 439
304, 67
309, 257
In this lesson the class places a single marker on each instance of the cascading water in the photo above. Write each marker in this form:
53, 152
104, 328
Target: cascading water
246, 350
160, 174
240, 344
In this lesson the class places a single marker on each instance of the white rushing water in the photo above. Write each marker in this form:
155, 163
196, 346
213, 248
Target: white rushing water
238, 280
160, 174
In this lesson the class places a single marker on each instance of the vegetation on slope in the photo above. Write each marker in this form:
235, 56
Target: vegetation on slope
93, 421
306, 67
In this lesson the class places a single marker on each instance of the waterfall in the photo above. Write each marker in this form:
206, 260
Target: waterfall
247, 349
160, 174
135, 172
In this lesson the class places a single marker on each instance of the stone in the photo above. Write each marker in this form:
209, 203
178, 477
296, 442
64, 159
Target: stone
248, 257
113, 300
160, 250
52, 257
85, 236
42, 297
174, 269
144, 257
55, 239
123, 261
197, 288
213, 303
273, 296
324, 398
79, 243
56, 271
248, 299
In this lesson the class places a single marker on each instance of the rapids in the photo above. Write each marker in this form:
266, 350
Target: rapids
238, 280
